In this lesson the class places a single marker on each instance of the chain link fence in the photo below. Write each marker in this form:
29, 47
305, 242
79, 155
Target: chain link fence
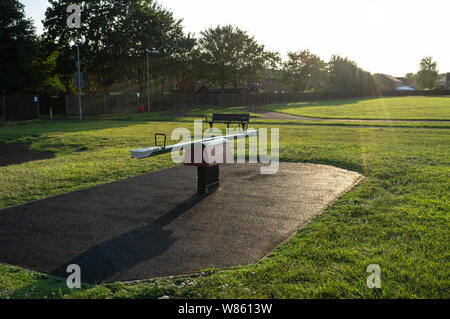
130, 103
19, 108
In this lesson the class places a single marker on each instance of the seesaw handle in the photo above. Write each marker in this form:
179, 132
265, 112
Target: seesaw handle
156, 139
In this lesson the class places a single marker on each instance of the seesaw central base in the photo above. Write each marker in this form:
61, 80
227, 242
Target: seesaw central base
207, 179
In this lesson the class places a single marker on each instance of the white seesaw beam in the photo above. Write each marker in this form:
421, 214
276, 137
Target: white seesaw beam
153, 151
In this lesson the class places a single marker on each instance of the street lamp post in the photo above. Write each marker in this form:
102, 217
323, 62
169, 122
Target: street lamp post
148, 80
80, 114
148, 87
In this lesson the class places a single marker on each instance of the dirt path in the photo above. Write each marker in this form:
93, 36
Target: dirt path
284, 116
334, 122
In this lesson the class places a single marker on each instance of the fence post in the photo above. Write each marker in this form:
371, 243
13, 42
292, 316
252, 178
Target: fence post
104, 103
66, 98
3, 109
38, 107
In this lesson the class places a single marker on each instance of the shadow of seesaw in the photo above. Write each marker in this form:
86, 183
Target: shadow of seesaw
115, 256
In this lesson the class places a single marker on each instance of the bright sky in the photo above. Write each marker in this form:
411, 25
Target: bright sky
382, 36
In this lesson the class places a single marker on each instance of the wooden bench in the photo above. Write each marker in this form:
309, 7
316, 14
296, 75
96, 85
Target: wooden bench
241, 119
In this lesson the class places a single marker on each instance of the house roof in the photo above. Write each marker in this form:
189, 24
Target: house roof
124, 87
388, 77
404, 88
442, 79
408, 82
388, 82
227, 89
200, 87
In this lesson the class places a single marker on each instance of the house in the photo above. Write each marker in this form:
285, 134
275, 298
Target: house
404, 88
443, 82
119, 88
202, 89
168, 85
179, 85
217, 90
389, 83
409, 83
272, 82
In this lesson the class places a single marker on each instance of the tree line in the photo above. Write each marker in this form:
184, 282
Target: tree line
117, 38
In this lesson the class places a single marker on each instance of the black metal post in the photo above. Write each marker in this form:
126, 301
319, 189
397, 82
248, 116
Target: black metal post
207, 179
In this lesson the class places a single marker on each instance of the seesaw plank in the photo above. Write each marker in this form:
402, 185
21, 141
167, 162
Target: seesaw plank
153, 151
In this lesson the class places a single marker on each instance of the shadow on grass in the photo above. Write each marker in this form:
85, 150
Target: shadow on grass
17, 153
29, 130
14, 132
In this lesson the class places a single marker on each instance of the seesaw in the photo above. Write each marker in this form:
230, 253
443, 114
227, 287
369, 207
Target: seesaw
214, 151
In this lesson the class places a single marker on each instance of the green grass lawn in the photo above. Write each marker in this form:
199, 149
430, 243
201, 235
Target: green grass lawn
396, 108
398, 217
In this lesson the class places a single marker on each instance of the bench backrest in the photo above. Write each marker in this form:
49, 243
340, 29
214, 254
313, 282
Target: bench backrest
231, 117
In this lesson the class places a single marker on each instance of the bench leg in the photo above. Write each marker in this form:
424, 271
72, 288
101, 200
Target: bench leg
207, 179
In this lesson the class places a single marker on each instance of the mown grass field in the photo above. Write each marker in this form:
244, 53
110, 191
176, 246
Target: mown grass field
396, 108
398, 217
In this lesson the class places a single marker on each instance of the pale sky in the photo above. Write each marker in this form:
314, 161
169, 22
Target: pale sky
382, 36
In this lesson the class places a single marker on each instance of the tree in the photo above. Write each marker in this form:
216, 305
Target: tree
17, 38
409, 76
185, 59
271, 70
180, 60
44, 76
116, 37
230, 55
344, 75
427, 75
304, 70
